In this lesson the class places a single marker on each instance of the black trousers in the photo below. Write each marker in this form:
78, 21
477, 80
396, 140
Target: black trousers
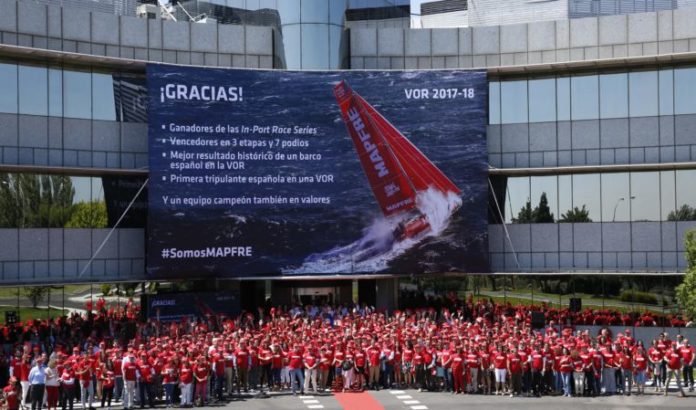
37, 393
67, 397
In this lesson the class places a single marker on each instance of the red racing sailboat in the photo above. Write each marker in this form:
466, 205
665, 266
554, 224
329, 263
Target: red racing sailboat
395, 168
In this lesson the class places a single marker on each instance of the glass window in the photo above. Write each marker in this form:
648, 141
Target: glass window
666, 78
645, 205
517, 196
616, 204
315, 11
8, 85
563, 98
545, 187
513, 97
337, 9
685, 91
291, 43
494, 102
686, 194
289, 14
667, 195
586, 195
268, 4
542, 100
33, 90
613, 91
103, 101
584, 99
565, 196
643, 94
55, 92
335, 56
77, 94
83, 189
315, 46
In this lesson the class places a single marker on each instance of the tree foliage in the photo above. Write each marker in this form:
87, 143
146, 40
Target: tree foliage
686, 291
539, 214
30, 200
36, 294
576, 215
88, 215
684, 213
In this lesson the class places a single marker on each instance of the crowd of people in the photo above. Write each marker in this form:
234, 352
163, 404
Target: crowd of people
469, 347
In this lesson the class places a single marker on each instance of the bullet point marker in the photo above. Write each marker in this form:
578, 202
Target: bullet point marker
164, 126
164, 178
164, 155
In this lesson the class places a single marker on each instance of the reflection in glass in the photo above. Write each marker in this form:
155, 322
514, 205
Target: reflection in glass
667, 195
289, 11
686, 195
291, 43
77, 94
542, 100
613, 91
517, 197
645, 205
616, 198
685, 91
33, 90
563, 98
666, 79
315, 46
55, 92
315, 11
643, 93
584, 97
544, 189
565, 197
335, 36
513, 105
337, 10
8, 85
586, 198
494, 102
104, 104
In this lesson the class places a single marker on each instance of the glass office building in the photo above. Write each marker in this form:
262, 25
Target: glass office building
591, 139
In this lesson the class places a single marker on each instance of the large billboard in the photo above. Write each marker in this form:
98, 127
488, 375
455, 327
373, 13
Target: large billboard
275, 173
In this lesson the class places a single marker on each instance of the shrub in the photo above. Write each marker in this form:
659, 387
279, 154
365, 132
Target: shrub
638, 297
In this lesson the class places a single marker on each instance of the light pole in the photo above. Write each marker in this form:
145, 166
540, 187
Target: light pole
618, 201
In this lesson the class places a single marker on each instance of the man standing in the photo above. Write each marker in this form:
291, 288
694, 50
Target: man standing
674, 367
37, 381
145, 384
130, 376
687, 354
374, 360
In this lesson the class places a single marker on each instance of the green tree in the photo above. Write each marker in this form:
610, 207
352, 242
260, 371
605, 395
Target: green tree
525, 215
576, 215
685, 213
88, 215
542, 213
686, 291
30, 200
36, 294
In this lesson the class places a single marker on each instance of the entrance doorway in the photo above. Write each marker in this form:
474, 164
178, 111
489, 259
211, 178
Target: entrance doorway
316, 295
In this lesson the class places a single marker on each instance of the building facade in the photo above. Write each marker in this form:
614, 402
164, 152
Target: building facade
591, 135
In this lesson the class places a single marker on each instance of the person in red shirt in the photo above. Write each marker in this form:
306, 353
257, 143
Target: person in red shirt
201, 371
108, 381
537, 367
566, 368
311, 362
374, 359
130, 371
687, 354
145, 381
218, 369
242, 363
265, 357
67, 387
360, 361
10, 394
640, 366
675, 365
295, 367
325, 360
473, 364
627, 369
169, 379
277, 358
656, 356
407, 364
186, 384
514, 368
457, 368
500, 364
487, 375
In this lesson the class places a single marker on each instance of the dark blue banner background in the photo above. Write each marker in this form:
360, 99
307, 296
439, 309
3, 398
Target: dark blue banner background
306, 238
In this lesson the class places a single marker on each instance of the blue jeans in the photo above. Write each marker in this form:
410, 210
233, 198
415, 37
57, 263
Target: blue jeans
566, 383
168, 392
299, 374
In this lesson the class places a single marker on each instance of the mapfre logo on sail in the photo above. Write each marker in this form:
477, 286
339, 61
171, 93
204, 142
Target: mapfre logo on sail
370, 147
201, 93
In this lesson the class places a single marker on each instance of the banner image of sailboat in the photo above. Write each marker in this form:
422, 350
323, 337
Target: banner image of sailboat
396, 169
416, 198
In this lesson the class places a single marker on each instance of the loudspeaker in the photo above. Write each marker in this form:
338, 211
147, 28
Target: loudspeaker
11, 317
538, 320
575, 305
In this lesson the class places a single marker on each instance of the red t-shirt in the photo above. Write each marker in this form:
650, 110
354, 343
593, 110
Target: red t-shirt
360, 359
537, 361
295, 360
500, 361
373, 354
201, 370
640, 362
277, 360
129, 370
186, 375
687, 354
566, 364
168, 374
309, 359
457, 362
673, 359
242, 358
12, 399
515, 362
